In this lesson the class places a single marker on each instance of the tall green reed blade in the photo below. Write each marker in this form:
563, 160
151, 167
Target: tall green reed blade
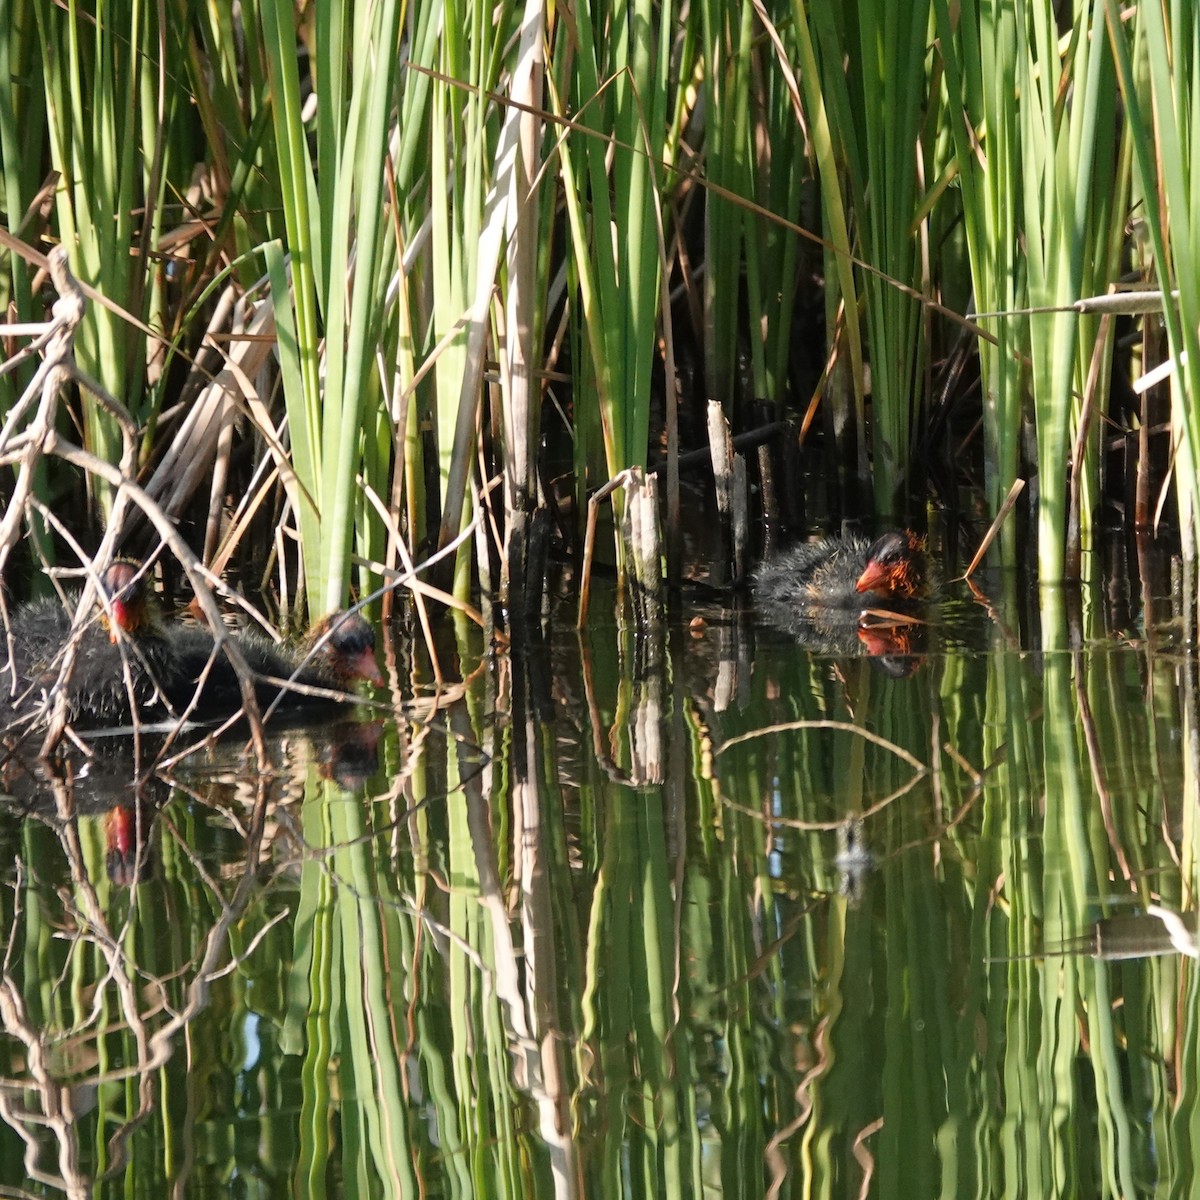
827, 109
22, 141
873, 71
302, 387
754, 148
352, 192
1067, 170
230, 86
334, 221
463, 140
1166, 139
22, 134
619, 77
773, 258
979, 52
407, 319
120, 143
728, 32
1161, 52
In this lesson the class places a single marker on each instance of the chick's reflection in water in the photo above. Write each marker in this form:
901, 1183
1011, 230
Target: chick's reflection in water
128, 858
348, 753
896, 648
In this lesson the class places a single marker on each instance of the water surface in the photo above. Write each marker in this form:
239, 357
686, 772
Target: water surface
718, 910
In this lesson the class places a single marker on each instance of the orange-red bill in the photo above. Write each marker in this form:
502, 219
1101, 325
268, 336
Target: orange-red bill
874, 577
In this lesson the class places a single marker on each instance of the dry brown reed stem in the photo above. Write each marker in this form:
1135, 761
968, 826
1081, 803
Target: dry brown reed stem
237, 343
642, 542
1013, 492
733, 490
740, 515
721, 451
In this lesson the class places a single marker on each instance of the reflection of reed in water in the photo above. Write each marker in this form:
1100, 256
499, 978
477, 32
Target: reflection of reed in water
143, 964
114, 780
85, 779
107, 780
854, 860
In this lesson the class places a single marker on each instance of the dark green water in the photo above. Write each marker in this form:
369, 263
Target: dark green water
716, 912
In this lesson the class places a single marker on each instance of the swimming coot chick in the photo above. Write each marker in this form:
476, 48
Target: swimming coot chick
847, 574
108, 648
132, 664
338, 652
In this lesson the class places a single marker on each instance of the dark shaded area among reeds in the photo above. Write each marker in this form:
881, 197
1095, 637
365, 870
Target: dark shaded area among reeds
375, 281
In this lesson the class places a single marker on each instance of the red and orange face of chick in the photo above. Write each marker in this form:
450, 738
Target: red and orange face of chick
349, 652
895, 567
124, 584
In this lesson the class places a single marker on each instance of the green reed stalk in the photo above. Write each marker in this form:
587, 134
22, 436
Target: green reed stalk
754, 148
351, 158
1067, 172
296, 307
333, 211
1166, 139
462, 144
118, 143
827, 111
873, 71
979, 53
773, 258
22, 133
22, 140
728, 33
616, 64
